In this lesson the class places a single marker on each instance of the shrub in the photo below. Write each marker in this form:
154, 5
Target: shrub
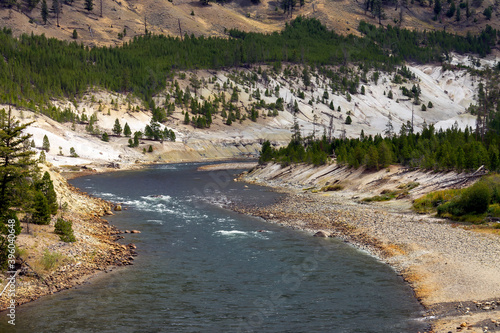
475, 199
431, 201
65, 230
50, 259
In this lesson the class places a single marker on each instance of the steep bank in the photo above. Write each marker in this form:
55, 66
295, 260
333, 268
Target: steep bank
50, 265
449, 267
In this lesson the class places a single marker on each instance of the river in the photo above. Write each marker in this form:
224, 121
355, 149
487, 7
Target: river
203, 268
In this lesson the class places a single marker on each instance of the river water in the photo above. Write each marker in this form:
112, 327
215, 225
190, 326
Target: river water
202, 268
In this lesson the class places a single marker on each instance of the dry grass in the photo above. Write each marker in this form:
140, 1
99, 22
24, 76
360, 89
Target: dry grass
163, 17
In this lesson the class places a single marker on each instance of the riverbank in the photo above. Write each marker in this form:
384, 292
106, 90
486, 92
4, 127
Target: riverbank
454, 271
49, 265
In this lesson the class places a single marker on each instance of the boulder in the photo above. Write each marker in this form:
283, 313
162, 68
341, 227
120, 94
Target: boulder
118, 208
321, 233
135, 232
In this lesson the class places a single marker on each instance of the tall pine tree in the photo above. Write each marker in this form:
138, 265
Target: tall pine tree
45, 11
89, 5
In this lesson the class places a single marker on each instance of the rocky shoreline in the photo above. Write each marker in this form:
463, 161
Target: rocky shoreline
454, 272
96, 249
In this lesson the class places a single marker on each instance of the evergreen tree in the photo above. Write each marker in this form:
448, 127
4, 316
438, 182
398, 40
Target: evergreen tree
348, 120
89, 5
117, 128
45, 11
487, 12
437, 7
17, 167
126, 130
72, 152
65, 230
46, 144
56, 9
451, 10
16, 161
186, 118
137, 135
41, 214
105, 137
46, 187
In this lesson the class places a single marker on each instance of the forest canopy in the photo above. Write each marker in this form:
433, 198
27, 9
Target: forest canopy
34, 69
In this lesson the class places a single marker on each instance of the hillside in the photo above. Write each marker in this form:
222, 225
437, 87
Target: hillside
191, 17
450, 92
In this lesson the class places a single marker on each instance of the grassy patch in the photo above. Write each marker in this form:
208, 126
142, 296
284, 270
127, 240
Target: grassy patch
401, 192
51, 260
386, 195
328, 188
477, 204
429, 202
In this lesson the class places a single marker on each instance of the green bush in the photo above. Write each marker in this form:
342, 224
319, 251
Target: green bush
65, 230
475, 199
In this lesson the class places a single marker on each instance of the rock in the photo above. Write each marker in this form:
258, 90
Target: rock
135, 232
108, 212
126, 232
321, 233
464, 324
132, 246
118, 208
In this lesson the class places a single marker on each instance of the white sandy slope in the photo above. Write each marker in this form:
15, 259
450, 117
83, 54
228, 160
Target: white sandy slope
451, 92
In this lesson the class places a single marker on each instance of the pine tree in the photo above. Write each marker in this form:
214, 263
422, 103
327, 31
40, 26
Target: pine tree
17, 167
41, 214
56, 9
105, 137
126, 130
137, 135
46, 186
117, 128
16, 160
46, 144
45, 11
437, 7
89, 5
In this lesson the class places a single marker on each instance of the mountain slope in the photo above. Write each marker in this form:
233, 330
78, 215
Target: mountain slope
164, 17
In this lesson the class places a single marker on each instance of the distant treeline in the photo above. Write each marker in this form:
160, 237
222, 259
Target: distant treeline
452, 149
34, 69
